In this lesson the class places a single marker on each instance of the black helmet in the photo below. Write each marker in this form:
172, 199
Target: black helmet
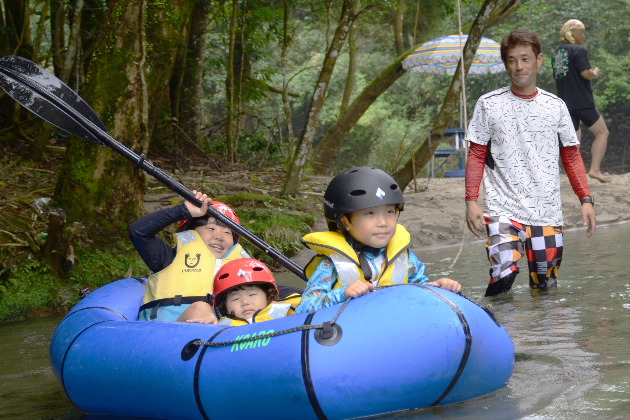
357, 189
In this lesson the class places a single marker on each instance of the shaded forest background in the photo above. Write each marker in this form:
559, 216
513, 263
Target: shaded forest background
297, 88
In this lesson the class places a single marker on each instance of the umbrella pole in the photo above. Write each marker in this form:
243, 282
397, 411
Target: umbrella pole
461, 100
462, 107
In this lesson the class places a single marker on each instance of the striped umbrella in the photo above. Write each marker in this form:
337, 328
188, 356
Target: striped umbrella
441, 56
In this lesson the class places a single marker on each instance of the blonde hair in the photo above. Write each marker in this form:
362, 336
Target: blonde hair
571, 24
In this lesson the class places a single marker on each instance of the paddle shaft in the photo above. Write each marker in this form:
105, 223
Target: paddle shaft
157, 173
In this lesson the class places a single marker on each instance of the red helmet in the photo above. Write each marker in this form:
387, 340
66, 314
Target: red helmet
244, 271
223, 209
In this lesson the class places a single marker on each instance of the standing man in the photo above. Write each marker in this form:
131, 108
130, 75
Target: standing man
573, 74
516, 136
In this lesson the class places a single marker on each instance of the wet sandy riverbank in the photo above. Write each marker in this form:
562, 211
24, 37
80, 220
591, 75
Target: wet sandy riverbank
435, 215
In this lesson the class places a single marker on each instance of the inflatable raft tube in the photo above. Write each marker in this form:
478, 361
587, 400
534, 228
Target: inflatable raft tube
397, 348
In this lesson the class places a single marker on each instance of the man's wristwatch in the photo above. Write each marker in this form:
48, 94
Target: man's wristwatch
588, 199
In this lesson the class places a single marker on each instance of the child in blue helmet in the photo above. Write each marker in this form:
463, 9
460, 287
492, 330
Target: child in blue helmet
365, 247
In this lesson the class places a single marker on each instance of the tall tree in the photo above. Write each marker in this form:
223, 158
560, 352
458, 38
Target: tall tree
18, 27
229, 87
335, 135
422, 155
57, 33
353, 51
125, 85
293, 178
192, 115
398, 26
72, 55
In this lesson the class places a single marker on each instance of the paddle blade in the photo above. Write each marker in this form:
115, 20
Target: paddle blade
46, 96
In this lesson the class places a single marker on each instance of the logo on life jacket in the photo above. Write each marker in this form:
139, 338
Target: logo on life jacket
192, 262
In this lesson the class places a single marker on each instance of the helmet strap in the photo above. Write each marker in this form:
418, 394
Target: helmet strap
365, 265
360, 249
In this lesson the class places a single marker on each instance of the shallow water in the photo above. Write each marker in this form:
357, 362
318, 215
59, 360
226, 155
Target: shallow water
572, 353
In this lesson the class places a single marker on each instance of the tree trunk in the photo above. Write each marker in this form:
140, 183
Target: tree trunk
57, 17
4, 37
18, 21
398, 27
56, 246
353, 50
70, 58
40, 31
285, 83
229, 88
179, 71
293, 177
73, 42
422, 155
93, 19
331, 142
131, 66
192, 115
500, 13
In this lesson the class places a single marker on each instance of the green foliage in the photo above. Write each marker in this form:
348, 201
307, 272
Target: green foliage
380, 135
280, 228
237, 200
31, 287
281, 223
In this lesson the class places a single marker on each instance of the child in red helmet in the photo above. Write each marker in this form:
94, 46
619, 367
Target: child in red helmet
182, 278
245, 292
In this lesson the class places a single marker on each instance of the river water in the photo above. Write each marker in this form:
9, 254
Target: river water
572, 352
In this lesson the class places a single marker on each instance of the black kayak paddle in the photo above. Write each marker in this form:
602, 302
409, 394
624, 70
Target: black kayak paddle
49, 98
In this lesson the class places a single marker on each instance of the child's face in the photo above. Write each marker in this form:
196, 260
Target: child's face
374, 227
245, 302
217, 238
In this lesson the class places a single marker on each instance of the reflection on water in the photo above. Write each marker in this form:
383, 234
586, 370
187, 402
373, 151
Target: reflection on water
572, 353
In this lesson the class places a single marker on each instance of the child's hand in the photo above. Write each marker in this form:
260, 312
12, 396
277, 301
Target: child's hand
207, 318
198, 211
357, 288
447, 284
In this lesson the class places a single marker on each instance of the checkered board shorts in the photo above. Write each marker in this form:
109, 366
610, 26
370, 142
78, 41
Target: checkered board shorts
543, 247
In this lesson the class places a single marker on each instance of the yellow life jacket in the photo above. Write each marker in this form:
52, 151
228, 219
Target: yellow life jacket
334, 245
278, 308
192, 271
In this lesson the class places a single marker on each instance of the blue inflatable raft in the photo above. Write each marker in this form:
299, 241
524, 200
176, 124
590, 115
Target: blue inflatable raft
398, 348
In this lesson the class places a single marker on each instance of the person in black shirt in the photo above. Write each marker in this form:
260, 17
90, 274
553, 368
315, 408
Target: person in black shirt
573, 74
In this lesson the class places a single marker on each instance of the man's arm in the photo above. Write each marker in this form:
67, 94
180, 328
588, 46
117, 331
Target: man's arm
590, 74
474, 174
574, 167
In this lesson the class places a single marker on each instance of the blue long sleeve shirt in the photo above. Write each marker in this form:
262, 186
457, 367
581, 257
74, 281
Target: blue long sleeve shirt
320, 294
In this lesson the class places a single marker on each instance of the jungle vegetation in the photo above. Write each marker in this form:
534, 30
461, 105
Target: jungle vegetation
296, 87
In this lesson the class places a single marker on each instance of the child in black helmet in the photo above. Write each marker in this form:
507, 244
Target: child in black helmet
364, 246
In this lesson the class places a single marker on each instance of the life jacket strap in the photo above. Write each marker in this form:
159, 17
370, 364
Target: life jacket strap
174, 301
